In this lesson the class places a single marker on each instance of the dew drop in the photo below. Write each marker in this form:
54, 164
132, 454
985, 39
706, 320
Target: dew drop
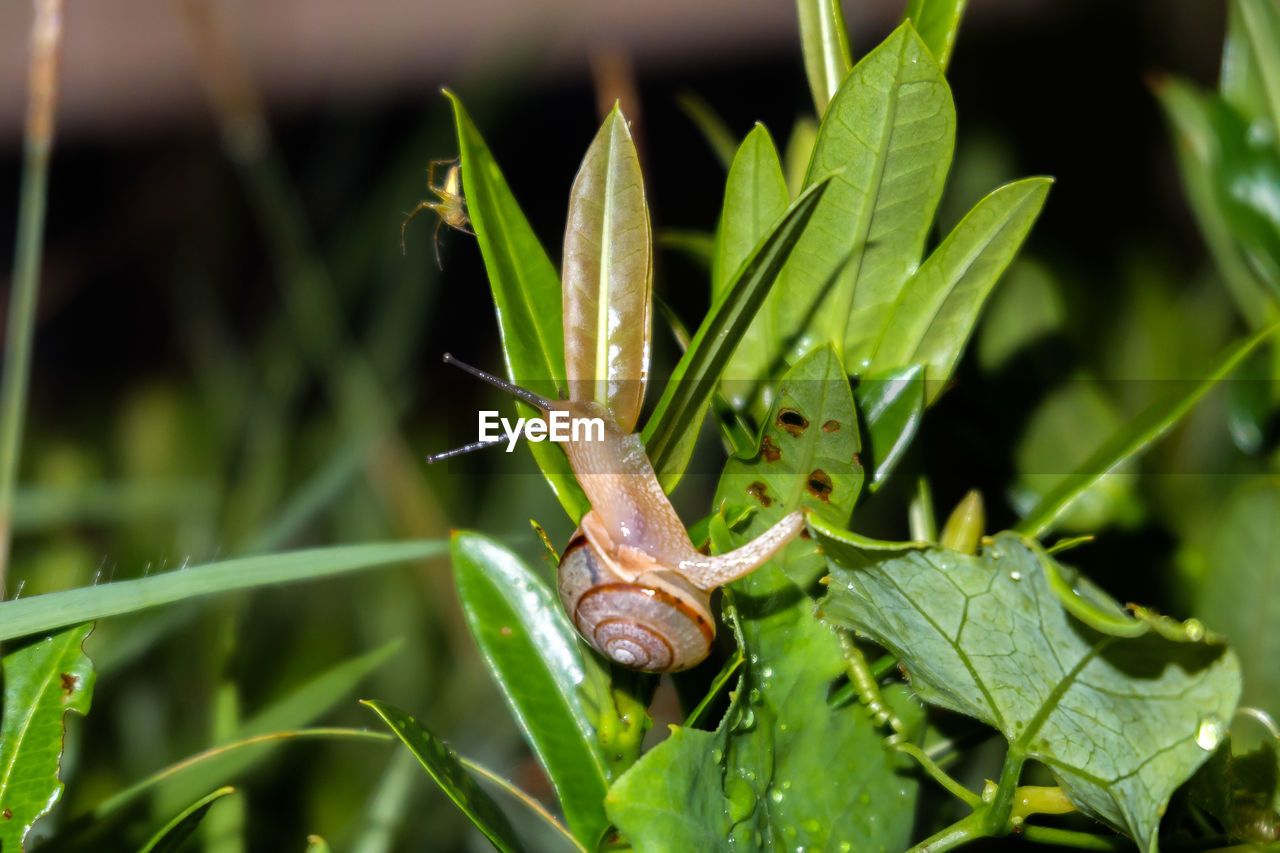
748, 721
717, 755
1194, 629
845, 847
754, 696
1210, 733
1015, 576
776, 795
742, 800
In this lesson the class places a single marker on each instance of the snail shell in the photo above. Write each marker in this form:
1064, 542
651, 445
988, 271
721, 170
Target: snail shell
656, 622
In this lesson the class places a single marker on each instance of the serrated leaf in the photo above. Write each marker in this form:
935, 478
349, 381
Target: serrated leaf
825, 43
531, 650
170, 837
933, 315
1120, 722
1135, 436
755, 197
608, 276
669, 434
937, 22
891, 130
26, 616
891, 404
42, 682
441, 763
526, 294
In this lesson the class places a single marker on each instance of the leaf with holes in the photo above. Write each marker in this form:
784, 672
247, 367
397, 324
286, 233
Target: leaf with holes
1120, 722
42, 682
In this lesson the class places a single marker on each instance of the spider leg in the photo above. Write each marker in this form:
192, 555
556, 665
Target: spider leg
431, 173
436, 239
405, 224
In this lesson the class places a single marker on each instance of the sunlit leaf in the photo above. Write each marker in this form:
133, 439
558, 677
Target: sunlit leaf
1120, 722
531, 650
441, 762
526, 294
825, 43
42, 682
608, 276
891, 404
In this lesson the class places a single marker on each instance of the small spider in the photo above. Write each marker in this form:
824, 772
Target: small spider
451, 208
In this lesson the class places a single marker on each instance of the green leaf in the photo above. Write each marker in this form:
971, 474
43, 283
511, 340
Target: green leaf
42, 682
441, 763
937, 22
317, 844
1260, 21
755, 197
1239, 594
891, 130
934, 314
762, 779
608, 276
1135, 437
669, 434
1240, 82
26, 616
171, 836
532, 652
718, 136
892, 404
1026, 307
825, 43
526, 294
1119, 722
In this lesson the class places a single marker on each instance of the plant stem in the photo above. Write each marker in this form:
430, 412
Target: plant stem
961, 832
42, 94
1078, 840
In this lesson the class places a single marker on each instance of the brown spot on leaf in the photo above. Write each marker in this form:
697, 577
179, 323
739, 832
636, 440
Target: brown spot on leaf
831, 426
770, 450
819, 484
505, 630
792, 421
760, 492
69, 683
8, 814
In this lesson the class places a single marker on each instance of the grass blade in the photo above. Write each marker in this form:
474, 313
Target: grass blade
171, 836
27, 616
1134, 437
670, 432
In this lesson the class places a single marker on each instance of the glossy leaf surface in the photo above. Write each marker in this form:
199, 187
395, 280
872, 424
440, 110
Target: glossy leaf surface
42, 682
608, 276
825, 43
891, 404
1120, 722
531, 650
937, 22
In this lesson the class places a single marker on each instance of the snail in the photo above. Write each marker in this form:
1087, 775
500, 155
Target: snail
631, 581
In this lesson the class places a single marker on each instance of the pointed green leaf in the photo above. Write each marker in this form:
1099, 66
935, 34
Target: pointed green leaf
441, 763
608, 276
891, 404
1119, 722
532, 652
825, 43
755, 197
171, 836
42, 682
669, 434
934, 314
526, 294
1135, 437
937, 22
26, 616
891, 129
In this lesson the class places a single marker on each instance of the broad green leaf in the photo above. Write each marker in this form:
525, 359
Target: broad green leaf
891, 404
669, 434
299, 706
934, 314
890, 129
1026, 307
26, 616
526, 294
42, 682
755, 197
825, 43
1066, 428
1135, 437
532, 652
170, 837
763, 779
719, 138
937, 22
608, 276
1120, 722
442, 764
1239, 593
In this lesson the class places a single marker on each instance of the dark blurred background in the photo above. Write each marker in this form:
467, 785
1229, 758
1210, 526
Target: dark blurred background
227, 323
